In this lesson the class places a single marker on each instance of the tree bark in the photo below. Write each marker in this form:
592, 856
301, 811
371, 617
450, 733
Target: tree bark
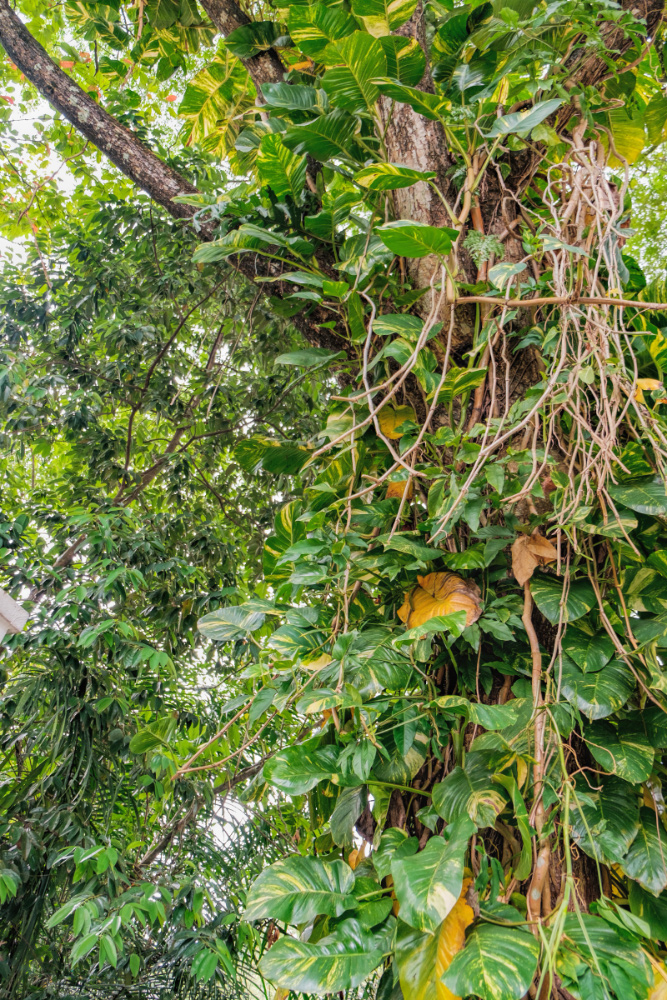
227, 17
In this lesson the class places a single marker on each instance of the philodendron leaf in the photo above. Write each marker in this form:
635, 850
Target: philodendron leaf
414, 239
646, 860
597, 694
497, 963
547, 593
646, 497
624, 750
298, 889
390, 177
589, 652
521, 122
296, 770
339, 961
428, 884
605, 822
280, 168
470, 791
349, 85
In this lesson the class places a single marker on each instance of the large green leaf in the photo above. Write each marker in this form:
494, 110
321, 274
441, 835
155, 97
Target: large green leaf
470, 791
296, 770
605, 822
414, 239
340, 961
522, 122
589, 652
491, 717
390, 177
428, 105
592, 955
348, 809
229, 624
646, 860
328, 137
405, 57
211, 103
497, 963
597, 694
646, 497
297, 889
416, 953
280, 168
258, 36
381, 17
547, 593
350, 85
312, 28
655, 118
623, 750
428, 884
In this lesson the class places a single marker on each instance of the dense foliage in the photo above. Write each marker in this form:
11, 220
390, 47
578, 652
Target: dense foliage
345, 539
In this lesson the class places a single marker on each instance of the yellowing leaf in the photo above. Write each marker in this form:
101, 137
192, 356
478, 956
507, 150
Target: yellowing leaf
451, 939
659, 991
650, 384
399, 489
529, 552
440, 594
390, 420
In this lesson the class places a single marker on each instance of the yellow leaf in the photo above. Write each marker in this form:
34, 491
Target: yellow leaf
319, 661
451, 939
659, 991
398, 489
440, 594
389, 420
280, 994
650, 384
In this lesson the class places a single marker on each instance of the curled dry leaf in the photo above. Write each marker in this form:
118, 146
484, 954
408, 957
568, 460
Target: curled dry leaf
659, 990
440, 594
650, 384
529, 552
451, 939
399, 489
391, 419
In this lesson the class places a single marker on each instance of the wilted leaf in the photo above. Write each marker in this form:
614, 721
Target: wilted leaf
440, 594
529, 552
402, 488
390, 420
451, 940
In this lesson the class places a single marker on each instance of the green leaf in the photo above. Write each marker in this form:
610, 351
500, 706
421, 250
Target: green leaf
655, 118
390, 177
381, 17
597, 694
523, 866
589, 652
296, 770
470, 791
405, 57
83, 947
623, 750
312, 28
605, 822
457, 381
204, 965
646, 860
497, 963
327, 137
211, 102
628, 134
340, 961
646, 497
416, 960
650, 908
349, 807
298, 889
428, 884
280, 168
309, 358
501, 274
258, 36
163, 13
414, 239
428, 105
230, 624
488, 716
521, 122
548, 592
350, 86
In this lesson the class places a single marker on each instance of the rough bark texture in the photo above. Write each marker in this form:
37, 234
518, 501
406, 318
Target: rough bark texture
226, 16
122, 147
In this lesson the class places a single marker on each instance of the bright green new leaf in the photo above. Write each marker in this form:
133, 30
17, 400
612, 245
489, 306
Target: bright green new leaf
413, 239
390, 177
